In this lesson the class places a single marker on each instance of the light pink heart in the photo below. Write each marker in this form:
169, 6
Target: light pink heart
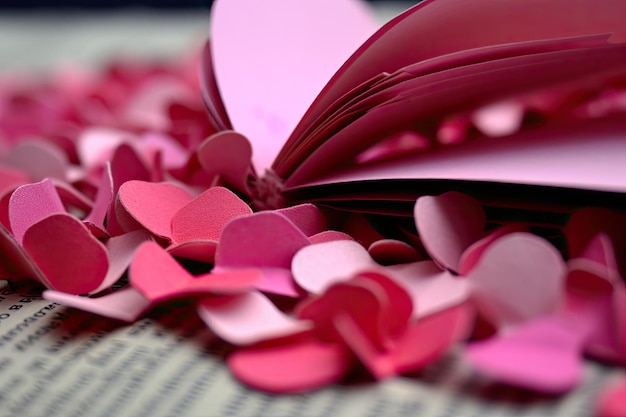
447, 225
509, 289
248, 318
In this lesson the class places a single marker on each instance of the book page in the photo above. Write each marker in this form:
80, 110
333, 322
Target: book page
58, 361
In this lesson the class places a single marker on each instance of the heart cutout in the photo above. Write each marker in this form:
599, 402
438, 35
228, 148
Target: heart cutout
248, 318
510, 290
72, 260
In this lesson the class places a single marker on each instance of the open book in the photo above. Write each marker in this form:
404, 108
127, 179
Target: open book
515, 103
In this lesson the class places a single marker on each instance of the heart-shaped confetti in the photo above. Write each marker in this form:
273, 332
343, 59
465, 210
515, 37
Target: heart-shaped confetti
291, 368
126, 304
248, 318
139, 198
318, 266
30, 203
448, 224
542, 355
158, 276
72, 260
510, 290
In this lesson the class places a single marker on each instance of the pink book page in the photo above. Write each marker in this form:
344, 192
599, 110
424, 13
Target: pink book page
440, 28
268, 74
587, 155
464, 89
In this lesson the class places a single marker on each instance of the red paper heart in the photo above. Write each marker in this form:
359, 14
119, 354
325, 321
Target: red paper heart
204, 217
153, 205
72, 260
264, 239
158, 276
290, 368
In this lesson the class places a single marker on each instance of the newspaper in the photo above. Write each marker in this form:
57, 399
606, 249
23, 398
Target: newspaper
58, 361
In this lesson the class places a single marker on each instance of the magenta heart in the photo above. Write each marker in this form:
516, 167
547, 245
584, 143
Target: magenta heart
204, 217
72, 260
158, 276
264, 239
543, 355
153, 205
290, 368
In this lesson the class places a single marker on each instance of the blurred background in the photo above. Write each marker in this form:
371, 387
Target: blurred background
40, 35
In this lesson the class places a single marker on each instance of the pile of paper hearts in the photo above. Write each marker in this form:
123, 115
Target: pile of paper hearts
123, 175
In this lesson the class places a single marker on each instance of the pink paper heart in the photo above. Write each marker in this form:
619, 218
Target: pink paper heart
248, 318
422, 342
158, 276
307, 217
264, 239
431, 289
125, 304
227, 154
30, 203
542, 355
472, 254
448, 224
291, 368
510, 290
204, 217
316, 267
72, 260
375, 303
153, 205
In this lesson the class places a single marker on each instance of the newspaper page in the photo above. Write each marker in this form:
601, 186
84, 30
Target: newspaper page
59, 361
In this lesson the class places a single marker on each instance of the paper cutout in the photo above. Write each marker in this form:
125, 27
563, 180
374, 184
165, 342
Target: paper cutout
543, 355
62, 236
510, 290
126, 304
316, 267
158, 276
248, 318
293, 369
264, 240
31, 203
448, 224
139, 198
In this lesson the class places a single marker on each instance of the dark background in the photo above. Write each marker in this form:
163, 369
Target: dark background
106, 4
